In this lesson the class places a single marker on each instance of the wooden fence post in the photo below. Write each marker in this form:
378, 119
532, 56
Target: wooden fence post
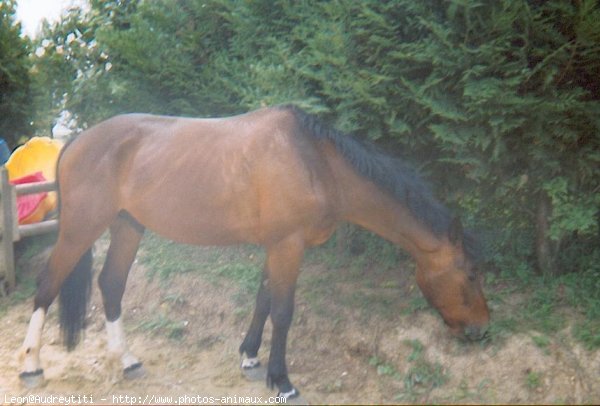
7, 263
11, 231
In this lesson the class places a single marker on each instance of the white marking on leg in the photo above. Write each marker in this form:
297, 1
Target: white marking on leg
288, 395
30, 351
117, 345
248, 363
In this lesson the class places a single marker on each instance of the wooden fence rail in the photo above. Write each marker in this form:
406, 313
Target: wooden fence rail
11, 231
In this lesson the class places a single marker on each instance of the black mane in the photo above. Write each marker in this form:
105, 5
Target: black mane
389, 173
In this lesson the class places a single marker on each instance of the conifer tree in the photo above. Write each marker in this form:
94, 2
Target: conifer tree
497, 102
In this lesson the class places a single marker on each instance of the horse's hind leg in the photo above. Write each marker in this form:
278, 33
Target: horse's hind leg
126, 234
69, 256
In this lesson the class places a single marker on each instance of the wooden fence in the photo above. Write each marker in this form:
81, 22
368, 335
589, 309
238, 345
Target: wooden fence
11, 231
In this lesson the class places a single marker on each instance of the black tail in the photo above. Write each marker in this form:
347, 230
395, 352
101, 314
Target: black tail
73, 300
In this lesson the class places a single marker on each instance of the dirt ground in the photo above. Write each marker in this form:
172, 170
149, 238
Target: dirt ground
187, 333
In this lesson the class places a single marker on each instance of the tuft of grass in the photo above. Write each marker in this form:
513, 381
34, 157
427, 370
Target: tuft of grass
588, 333
383, 368
541, 311
246, 276
533, 380
423, 375
426, 375
164, 258
417, 350
318, 289
479, 394
540, 341
501, 326
162, 325
416, 304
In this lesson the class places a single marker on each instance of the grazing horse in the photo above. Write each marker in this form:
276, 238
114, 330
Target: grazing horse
276, 177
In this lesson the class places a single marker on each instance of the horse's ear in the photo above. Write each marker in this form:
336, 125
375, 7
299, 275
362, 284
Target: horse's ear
456, 232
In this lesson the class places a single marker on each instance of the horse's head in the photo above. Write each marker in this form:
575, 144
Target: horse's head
451, 283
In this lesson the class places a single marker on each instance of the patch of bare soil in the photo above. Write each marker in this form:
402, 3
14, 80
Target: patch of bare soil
187, 332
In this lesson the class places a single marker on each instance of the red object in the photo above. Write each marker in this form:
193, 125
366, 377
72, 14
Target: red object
28, 204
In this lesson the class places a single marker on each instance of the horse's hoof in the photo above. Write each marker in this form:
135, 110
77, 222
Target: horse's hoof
33, 379
134, 371
253, 370
249, 363
291, 398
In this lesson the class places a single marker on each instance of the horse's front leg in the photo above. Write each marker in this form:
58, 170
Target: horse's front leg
282, 310
251, 344
283, 263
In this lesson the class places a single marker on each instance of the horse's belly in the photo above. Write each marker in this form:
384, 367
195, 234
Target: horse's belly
190, 221
230, 223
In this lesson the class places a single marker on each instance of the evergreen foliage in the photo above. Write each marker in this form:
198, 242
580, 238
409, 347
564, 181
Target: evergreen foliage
498, 102
15, 83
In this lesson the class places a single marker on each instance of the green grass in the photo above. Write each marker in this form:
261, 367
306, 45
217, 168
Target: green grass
317, 288
533, 380
423, 375
588, 333
241, 266
245, 275
521, 300
416, 303
541, 341
545, 306
371, 302
162, 325
383, 368
165, 258
480, 393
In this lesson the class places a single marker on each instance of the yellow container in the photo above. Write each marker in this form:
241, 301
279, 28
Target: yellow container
39, 154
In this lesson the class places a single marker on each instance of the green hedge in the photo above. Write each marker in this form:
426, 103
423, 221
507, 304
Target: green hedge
496, 101
15, 79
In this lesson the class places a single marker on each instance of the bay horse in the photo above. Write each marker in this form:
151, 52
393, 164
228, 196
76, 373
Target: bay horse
277, 177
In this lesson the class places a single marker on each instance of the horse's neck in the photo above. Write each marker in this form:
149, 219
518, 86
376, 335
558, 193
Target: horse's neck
365, 204
379, 213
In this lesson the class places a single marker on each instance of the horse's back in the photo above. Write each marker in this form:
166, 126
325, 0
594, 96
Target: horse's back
246, 178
